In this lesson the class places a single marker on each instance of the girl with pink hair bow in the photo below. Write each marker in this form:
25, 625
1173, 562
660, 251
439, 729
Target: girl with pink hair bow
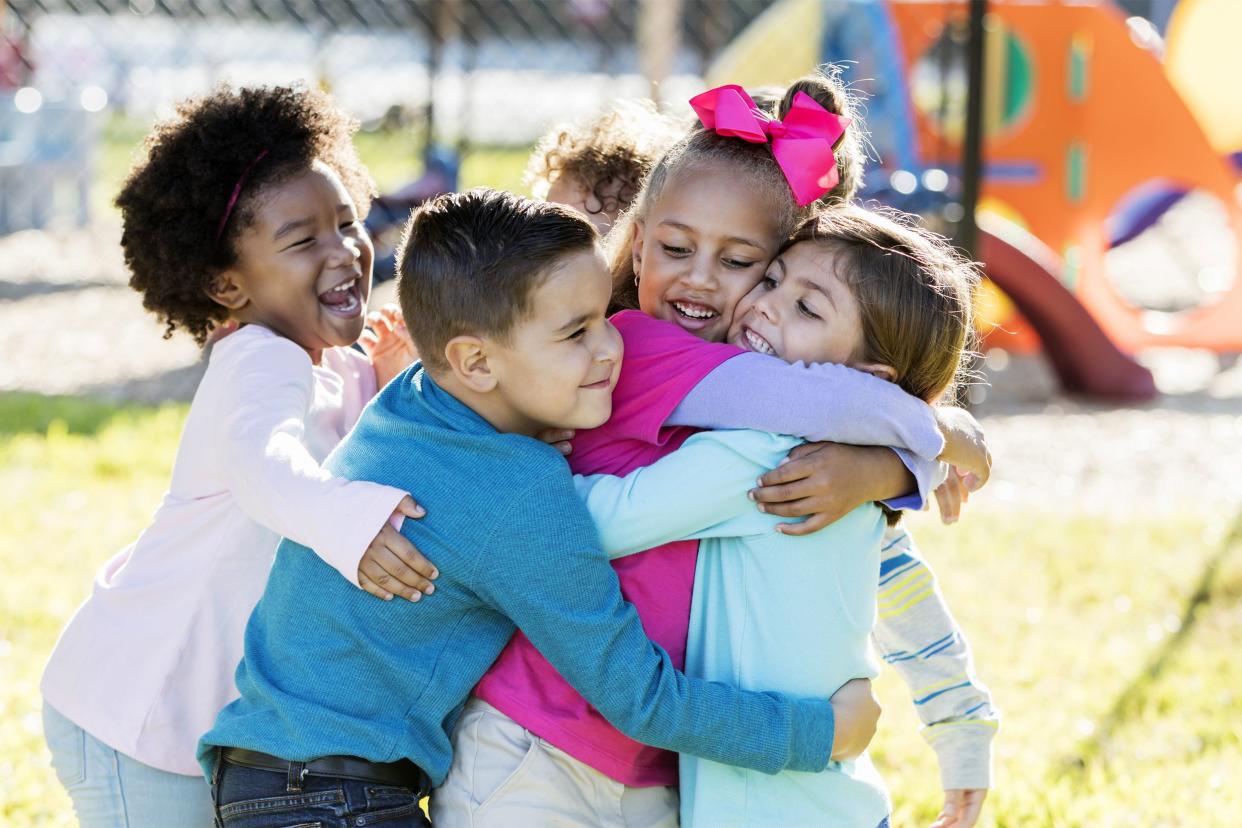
711, 216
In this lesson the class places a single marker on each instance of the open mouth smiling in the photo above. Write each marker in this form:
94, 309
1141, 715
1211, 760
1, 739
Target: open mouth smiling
693, 314
345, 299
757, 343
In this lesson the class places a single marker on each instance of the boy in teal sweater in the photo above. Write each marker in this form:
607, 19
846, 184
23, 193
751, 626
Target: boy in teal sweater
347, 703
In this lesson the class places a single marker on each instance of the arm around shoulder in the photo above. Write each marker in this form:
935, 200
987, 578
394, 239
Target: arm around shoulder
818, 402
273, 476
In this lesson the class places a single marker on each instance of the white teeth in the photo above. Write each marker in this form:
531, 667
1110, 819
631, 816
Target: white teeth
694, 313
758, 343
344, 287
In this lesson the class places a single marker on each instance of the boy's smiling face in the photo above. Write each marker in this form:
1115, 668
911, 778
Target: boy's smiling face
558, 365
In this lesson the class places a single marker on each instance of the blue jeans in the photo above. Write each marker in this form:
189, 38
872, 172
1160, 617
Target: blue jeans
112, 790
257, 798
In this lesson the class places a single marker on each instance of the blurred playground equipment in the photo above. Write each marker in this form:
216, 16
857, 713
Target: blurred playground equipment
47, 153
1109, 219
385, 221
1204, 63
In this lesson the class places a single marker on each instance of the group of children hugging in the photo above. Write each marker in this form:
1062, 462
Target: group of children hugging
641, 452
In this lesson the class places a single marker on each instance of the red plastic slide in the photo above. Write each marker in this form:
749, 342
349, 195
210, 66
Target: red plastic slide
1083, 356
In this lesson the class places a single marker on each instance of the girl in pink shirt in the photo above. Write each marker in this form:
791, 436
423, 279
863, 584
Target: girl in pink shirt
713, 213
246, 210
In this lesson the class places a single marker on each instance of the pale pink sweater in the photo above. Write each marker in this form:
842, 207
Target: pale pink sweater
147, 661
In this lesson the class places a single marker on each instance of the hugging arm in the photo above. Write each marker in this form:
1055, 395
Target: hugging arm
569, 605
817, 402
825, 402
917, 635
698, 491
280, 485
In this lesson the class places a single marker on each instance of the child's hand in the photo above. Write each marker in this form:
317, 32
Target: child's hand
391, 564
855, 712
951, 495
828, 480
961, 808
387, 343
558, 437
965, 446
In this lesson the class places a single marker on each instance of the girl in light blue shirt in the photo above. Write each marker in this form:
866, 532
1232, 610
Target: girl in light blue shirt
775, 611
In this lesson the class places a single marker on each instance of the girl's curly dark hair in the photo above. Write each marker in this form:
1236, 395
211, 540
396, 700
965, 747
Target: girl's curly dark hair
618, 147
174, 199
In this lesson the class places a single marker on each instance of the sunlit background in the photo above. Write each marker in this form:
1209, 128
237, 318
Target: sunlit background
1098, 577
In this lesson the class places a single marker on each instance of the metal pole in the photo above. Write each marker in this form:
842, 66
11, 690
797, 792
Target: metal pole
659, 38
435, 49
972, 147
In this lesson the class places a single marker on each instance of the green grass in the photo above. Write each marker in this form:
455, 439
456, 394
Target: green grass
75, 489
1110, 643
394, 158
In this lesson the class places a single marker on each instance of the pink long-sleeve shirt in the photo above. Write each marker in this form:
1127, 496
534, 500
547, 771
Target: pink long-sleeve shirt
148, 660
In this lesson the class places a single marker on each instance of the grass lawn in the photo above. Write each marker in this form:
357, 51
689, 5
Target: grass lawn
1111, 645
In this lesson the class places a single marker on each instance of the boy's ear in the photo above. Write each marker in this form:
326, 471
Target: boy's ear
467, 359
636, 249
225, 289
877, 369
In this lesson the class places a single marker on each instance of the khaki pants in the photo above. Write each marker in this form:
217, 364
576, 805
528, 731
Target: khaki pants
504, 775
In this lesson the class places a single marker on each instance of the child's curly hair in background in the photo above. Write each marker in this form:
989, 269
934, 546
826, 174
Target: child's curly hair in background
609, 155
230, 144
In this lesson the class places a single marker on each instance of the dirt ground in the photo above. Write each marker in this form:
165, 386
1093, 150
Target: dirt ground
69, 324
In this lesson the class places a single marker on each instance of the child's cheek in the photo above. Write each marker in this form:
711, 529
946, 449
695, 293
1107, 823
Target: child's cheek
738, 292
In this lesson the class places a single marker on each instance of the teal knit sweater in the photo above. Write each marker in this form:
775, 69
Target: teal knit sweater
331, 670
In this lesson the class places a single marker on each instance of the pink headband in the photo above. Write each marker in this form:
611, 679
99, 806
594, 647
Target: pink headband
237, 188
802, 143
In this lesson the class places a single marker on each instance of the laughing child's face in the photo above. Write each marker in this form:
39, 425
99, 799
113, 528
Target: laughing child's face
801, 310
702, 246
558, 365
304, 265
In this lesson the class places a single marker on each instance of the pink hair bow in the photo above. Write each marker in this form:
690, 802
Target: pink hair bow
802, 143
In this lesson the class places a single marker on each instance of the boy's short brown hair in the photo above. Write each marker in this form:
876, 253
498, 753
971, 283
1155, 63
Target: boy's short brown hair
469, 262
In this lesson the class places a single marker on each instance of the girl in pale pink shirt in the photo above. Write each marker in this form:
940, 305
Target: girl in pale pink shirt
713, 213
247, 210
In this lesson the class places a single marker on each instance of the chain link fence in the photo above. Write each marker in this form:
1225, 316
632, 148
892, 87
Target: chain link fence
76, 75
80, 80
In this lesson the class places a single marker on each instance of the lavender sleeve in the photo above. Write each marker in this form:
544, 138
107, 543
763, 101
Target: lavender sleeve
819, 402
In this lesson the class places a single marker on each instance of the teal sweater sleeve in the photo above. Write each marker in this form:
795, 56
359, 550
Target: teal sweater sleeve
609, 658
696, 492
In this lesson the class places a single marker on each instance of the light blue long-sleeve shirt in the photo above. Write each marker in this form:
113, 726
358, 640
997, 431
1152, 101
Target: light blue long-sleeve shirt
770, 611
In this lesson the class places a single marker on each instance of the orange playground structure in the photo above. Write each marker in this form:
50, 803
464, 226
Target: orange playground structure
1087, 147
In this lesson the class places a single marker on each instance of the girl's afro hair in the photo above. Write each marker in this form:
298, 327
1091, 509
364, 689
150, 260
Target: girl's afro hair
175, 198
